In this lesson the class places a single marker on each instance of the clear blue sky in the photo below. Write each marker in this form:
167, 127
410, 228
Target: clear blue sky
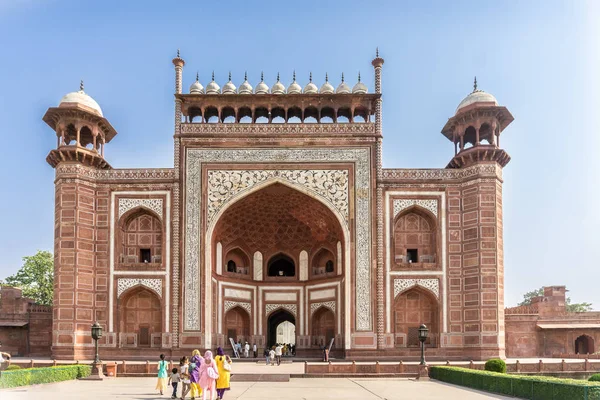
541, 59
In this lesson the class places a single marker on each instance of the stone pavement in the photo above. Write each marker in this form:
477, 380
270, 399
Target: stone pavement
295, 389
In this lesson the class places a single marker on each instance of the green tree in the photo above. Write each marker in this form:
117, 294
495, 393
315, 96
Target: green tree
571, 307
36, 277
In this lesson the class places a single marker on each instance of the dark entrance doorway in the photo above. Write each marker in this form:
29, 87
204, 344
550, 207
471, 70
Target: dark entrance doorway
273, 322
281, 265
584, 345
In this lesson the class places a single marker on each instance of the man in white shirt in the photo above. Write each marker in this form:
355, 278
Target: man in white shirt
255, 350
246, 350
278, 354
272, 356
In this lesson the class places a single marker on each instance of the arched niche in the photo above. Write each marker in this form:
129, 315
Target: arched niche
323, 263
140, 238
237, 263
140, 317
322, 327
281, 265
412, 308
236, 324
415, 237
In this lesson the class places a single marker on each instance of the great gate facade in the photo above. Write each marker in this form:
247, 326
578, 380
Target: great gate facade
278, 209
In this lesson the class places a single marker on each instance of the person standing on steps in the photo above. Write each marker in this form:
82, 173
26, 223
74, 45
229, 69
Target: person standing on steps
255, 350
247, 350
278, 353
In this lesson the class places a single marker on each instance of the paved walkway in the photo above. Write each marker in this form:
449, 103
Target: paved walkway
295, 389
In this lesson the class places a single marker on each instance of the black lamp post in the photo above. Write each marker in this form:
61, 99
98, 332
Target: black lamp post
423, 332
96, 334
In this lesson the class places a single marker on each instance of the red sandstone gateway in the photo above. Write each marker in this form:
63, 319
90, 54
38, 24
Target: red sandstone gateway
278, 210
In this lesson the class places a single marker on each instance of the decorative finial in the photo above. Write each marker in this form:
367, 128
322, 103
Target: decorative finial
81, 85
197, 76
262, 76
359, 76
213, 76
326, 77
245, 75
377, 52
278, 77
342, 77
229, 76
177, 53
475, 85
294, 75
310, 78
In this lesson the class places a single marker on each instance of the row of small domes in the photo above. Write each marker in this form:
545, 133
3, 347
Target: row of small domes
278, 87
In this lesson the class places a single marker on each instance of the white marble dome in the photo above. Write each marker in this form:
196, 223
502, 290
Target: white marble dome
294, 88
246, 87
196, 87
82, 98
327, 88
343, 88
213, 87
229, 87
478, 96
311, 88
278, 87
360, 87
262, 87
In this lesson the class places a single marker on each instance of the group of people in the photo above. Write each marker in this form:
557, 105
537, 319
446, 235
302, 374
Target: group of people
244, 350
206, 376
274, 354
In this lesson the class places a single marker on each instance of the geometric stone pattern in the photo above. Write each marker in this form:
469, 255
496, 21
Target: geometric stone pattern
125, 283
269, 308
192, 246
493, 170
401, 285
330, 184
155, 205
287, 129
403, 204
328, 304
230, 304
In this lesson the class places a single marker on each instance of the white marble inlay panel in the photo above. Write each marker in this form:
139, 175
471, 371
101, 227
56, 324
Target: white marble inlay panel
219, 256
155, 205
269, 308
403, 204
328, 304
303, 265
238, 294
339, 258
322, 294
125, 283
400, 285
278, 296
230, 304
258, 266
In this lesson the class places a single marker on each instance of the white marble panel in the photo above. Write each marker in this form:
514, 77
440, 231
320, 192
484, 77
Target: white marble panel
322, 294
281, 296
238, 294
219, 258
258, 266
339, 258
303, 265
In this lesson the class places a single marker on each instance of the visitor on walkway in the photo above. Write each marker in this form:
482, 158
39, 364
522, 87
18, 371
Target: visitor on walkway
161, 384
266, 356
238, 346
247, 350
278, 353
174, 381
185, 376
325, 354
272, 356
255, 350
4, 358
208, 375
194, 371
224, 370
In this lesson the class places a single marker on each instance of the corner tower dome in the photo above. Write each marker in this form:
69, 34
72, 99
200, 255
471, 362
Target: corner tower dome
278, 87
262, 87
311, 88
196, 87
477, 97
294, 88
81, 98
327, 88
360, 87
213, 87
246, 87
343, 88
229, 87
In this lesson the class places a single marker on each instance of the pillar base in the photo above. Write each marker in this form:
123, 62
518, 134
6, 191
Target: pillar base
96, 374
423, 373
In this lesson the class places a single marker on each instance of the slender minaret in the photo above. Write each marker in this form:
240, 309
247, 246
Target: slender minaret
178, 63
377, 64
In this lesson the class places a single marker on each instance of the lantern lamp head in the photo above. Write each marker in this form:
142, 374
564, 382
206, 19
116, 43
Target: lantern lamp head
96, 331
423, 332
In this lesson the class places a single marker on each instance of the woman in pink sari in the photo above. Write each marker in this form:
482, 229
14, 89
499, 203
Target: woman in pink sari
208, 375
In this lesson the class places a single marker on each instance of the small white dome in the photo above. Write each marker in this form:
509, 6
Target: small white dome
278, 87
327, 88
360, 87
262, 87
476, 96
213, 87
311, 88
294, 88
343, 88
82, 98
229, 87
196, 87
246, 87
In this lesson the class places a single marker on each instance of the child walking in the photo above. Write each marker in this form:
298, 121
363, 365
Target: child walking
174, 381
161, 385
208, 375
184, 376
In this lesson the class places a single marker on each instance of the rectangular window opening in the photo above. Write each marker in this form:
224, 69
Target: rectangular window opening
145, 255
412, 255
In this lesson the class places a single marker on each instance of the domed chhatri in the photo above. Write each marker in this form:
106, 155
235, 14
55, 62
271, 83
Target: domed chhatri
196, 87
327, 88
262, 87
343, 88
278, 87
81, 98
229, 87
213, 87
311, 88
294, 88
477, 96
245, 88
360, 87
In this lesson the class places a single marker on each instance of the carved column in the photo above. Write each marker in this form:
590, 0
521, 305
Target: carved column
377, 64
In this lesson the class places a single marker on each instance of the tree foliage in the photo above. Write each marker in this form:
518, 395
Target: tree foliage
571, 307
35, 277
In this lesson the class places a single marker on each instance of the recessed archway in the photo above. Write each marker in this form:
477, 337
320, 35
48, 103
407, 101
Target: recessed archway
323, 327
237, 325
584, 344
141, 315
275, 319
412, 308
281, 265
